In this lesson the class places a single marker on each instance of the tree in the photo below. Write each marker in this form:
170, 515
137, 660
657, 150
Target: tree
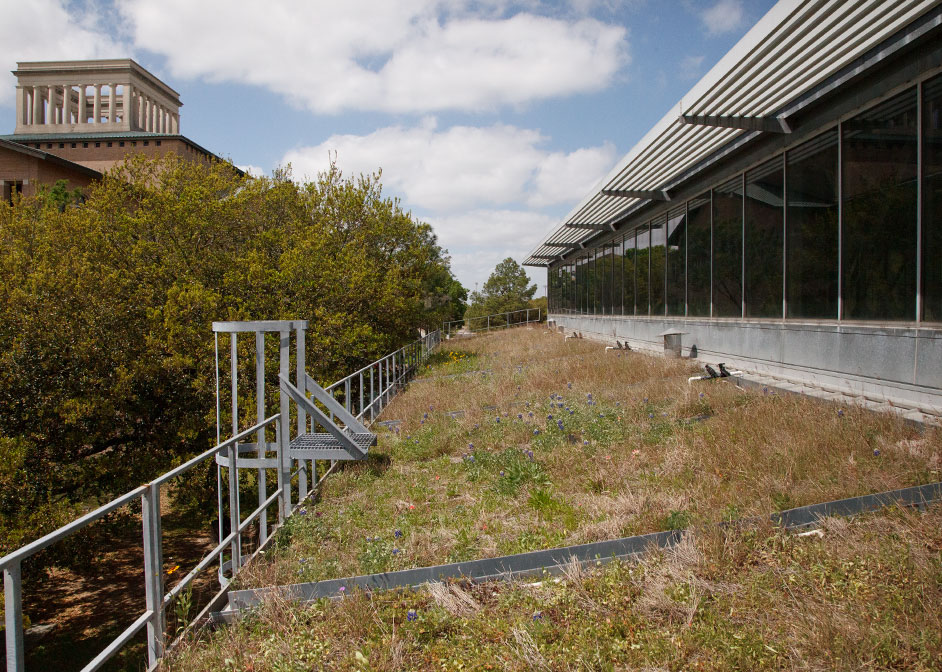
507, 289
106, 348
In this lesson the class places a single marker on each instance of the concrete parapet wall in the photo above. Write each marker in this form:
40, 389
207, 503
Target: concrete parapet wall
898, 365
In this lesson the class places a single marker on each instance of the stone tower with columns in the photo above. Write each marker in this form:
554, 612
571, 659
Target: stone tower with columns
100, 96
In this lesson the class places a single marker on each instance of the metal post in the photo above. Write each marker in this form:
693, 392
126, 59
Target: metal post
234, 369
488, 322
234, 515
372, 397
153, 572
346, 394
284, 366
281, 452
260, 438
13, 616
361, 392
302, 419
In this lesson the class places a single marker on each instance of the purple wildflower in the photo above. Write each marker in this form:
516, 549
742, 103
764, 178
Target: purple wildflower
840, 413
411, 615
569, 385
538, 616
536, 432
398, 533
395, 551
876, 452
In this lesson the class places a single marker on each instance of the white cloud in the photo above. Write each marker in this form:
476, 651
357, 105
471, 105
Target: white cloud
404, 56
50, 30
723, 17
462, 166
689, 67
487, 237
254, 171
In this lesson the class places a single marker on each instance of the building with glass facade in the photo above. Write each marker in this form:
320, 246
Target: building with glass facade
786, 214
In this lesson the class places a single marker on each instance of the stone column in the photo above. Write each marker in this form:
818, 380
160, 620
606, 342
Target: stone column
175, 123
112, 104
22, 113
82, 116
50, 105
148, 114
96, 107
127, 113
37, 107
66, 103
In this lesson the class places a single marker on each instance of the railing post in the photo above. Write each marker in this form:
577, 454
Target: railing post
13, 617
488, 322
284, 367
260, 437
153, 572
234, 516
372, 393
302, 420
283, 504
346, 395
361, 393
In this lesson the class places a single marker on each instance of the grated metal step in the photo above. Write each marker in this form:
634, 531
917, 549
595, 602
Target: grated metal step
327, 447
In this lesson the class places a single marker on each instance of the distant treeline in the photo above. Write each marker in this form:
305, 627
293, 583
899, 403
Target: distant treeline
107, 299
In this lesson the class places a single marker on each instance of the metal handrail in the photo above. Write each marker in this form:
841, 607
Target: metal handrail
375, 384
391, 371
157, 600
446, 326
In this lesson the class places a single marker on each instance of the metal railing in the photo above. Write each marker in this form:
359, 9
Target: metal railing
512, 318
365, 392
156, 600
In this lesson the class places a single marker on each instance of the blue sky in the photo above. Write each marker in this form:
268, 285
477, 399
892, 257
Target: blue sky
490, 119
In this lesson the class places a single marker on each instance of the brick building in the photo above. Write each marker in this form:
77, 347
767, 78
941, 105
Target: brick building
80, 118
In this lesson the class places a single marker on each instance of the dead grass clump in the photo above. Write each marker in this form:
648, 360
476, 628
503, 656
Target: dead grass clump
453, 598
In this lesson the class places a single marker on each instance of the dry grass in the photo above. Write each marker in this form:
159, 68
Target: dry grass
862, 596
630, 459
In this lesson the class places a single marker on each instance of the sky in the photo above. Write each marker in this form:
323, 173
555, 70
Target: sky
489, 119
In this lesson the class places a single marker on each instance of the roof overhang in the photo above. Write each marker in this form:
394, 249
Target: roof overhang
797, 53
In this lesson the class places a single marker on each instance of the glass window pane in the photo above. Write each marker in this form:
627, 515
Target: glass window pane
628, 274
765, 212
580, 286
676, 261
878, 259
698, 256
727, 249
607, 269
590, 283
658, 239
932, 200
642, 269
811, 228
618, 251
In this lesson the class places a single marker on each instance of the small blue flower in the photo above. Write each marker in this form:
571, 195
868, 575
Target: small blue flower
549, 417
538, 616
470, 446
501, 472
531, 414
536, 432
425, 416
618, 403
519, 416
645, 400
497, 419
701, 395
876, 452
585, 442
560, 404
840, 413
395, 551
601, 415
650, 415
411, 615
559, 423
572, 412
398, 533
569, 385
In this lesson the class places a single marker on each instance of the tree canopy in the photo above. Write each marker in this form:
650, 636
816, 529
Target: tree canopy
508, 288
106, 348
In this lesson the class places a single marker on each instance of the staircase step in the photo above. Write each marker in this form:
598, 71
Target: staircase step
326, 447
